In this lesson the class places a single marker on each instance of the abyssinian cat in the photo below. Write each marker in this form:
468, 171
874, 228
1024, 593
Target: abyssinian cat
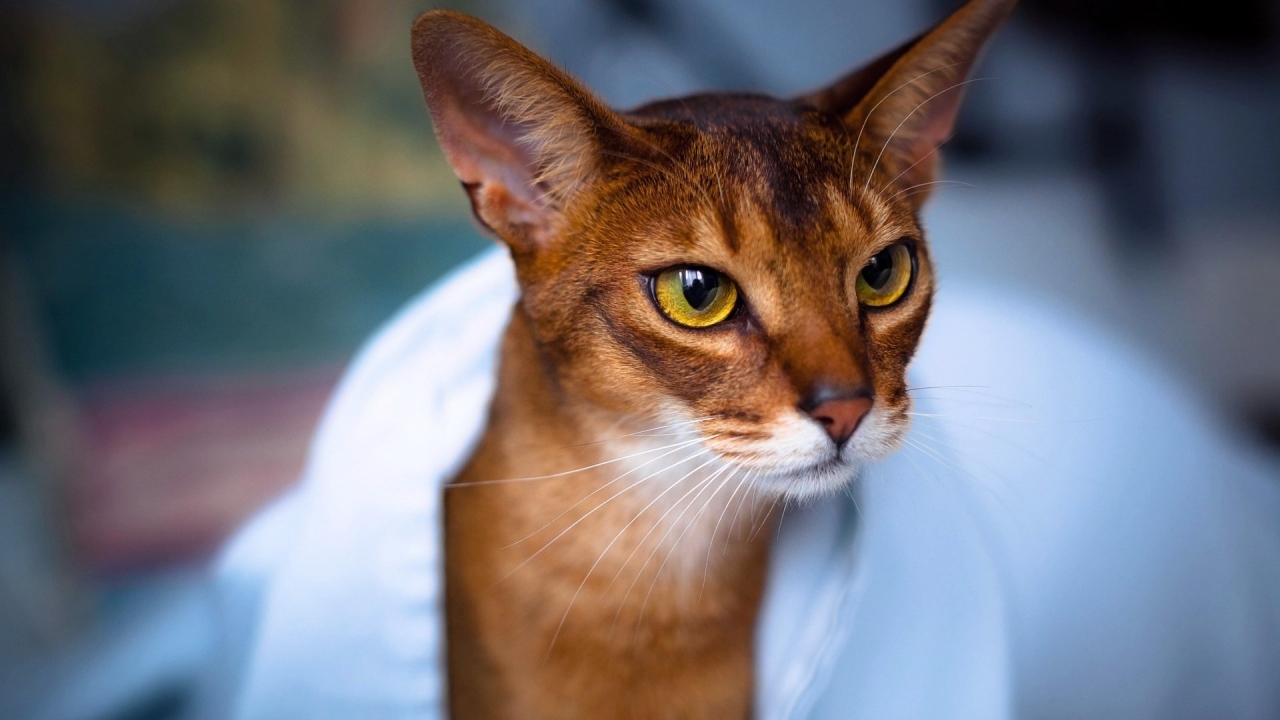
720, 295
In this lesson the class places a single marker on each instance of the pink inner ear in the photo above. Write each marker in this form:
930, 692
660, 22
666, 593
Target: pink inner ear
917, 136
497, 172
919, 149
484, 148
503, 197
937, 123
519, 133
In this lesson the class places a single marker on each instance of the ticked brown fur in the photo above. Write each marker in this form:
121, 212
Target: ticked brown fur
606, 544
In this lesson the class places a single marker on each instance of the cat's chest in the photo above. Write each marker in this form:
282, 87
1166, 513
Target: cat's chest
666, 550
676, 558
633, 616
605, 589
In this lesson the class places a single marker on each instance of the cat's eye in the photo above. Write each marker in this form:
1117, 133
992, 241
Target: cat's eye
885, 278
695, 296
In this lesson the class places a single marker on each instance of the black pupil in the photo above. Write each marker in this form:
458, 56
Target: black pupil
879, 270
700, 287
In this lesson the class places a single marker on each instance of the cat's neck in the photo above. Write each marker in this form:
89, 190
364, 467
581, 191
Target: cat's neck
581, 476
570, 548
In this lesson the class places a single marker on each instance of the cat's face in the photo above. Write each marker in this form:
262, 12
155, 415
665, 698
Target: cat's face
767, 196
747, 270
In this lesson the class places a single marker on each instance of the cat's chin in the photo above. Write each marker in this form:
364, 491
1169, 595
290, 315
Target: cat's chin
823, 478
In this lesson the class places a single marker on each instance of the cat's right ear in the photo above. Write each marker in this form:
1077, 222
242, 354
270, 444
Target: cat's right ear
523, 137
902, 106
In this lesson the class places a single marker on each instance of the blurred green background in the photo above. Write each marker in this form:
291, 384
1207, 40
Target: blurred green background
218, 184
207, 206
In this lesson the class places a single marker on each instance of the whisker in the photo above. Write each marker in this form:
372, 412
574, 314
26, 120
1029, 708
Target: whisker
646, 432
733, 524
505, 481
947, 445
720, 185
919, 443
606, 485
885, 147
595, 564
591, 511
952, 183
924, 471
849, 490
916, 465
872, 111
950, 464
946, 463
924, 157
948, 185
671, 551
971, 390
764, 519
997, 497
706, 565
978, 403
1026, 421
930, 453
699, 486
1009, 443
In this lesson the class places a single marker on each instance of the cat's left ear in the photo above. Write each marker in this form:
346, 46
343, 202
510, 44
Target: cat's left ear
901, 106
523, 137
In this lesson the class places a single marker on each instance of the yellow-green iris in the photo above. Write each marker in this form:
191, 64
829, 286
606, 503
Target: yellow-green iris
885, 278
695, 297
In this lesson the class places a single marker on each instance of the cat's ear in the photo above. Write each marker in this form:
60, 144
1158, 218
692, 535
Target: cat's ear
903, 105
522, 136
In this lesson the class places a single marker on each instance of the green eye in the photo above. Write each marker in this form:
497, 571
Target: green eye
695, 297
884, 280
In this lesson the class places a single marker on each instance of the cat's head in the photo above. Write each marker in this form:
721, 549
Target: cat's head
748, 269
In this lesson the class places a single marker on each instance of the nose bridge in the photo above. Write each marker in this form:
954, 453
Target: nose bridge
828, 367
825, 350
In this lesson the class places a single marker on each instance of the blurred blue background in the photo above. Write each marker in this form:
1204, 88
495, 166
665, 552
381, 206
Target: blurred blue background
207, 204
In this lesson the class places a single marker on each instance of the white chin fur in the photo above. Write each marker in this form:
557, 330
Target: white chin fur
800, 462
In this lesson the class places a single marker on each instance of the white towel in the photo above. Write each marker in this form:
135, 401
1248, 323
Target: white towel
1067, 535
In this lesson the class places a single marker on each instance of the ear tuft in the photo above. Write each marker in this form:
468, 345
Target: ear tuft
522, 136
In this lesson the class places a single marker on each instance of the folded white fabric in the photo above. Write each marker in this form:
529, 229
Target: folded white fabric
1065, 536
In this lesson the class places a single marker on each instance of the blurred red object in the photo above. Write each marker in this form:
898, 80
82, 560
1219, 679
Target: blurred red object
173, 466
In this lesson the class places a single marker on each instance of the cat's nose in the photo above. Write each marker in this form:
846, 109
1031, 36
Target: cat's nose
839, 411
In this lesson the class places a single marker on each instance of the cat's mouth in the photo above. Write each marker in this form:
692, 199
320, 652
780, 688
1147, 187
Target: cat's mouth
798, 459
820, 478
821, 470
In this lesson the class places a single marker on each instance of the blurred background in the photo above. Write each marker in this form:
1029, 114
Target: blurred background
207, 204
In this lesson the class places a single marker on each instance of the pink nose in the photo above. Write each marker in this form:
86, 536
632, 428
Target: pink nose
841, 416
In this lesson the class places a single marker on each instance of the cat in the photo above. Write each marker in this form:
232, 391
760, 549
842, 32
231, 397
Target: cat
720, 295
